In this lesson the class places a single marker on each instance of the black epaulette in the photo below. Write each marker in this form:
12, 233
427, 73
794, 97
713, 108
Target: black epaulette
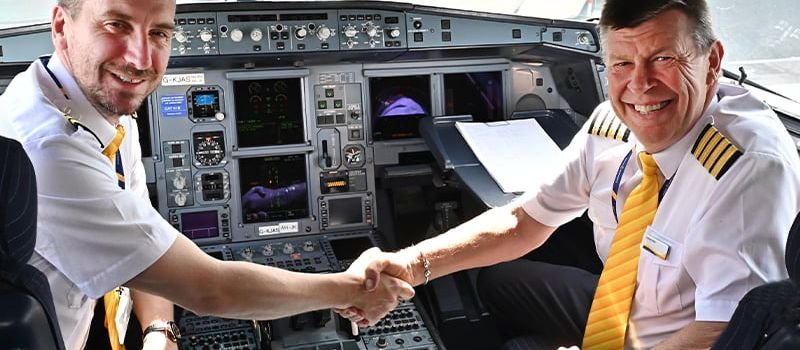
609, 126
715, 152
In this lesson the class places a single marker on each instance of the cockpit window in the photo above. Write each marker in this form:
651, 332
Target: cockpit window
761, 37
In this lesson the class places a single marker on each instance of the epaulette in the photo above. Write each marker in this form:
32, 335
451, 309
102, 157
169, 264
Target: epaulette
715, 152
609, 126
77, 124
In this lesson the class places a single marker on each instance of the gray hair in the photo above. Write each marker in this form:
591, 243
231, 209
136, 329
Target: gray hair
73, 7
618, 14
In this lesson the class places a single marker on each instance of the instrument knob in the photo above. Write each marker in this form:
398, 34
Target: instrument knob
372, 30
324, 33
179, 182
393, 33
256, 34
237, 35
180, 36
350, 31
300, 33
206, 35
288, 248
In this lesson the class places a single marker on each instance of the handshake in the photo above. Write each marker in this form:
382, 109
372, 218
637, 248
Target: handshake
388, 278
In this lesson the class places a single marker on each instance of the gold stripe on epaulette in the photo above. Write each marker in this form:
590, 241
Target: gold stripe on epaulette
609, 126
715, 152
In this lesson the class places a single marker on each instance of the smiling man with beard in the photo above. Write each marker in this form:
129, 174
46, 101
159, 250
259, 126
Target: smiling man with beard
96, 228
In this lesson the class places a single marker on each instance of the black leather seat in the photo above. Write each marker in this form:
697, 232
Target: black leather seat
768, 317
28, 317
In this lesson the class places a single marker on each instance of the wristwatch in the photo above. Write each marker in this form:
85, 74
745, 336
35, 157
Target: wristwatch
169, 328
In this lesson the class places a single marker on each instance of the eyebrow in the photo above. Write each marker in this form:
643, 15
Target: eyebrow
123, 16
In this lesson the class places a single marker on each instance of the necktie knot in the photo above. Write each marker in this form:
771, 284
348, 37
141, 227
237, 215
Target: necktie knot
649, 166
111, 150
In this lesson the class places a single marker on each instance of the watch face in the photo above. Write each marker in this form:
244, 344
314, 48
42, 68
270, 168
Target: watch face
173, 331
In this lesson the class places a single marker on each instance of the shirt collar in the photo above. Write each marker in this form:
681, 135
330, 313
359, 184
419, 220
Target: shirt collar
78, 105
670, 158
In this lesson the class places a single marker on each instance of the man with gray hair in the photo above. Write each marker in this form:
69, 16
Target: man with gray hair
692, 187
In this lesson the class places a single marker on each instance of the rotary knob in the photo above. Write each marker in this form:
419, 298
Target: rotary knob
179, 182
372, 30
288, 248
180, 199
324, 33
256, 34
267, 250
181, 37
237, 35
205, 35
247, 254
300, 33
308, 246
350, 31
393, 33
182, 49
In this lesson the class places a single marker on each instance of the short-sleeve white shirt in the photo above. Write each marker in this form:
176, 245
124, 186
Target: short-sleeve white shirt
725, 236
92, 236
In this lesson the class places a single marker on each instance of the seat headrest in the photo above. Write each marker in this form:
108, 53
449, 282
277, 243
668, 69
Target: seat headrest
17, 203
793, 251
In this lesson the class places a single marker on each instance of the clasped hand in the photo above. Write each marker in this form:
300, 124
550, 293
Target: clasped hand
387, 281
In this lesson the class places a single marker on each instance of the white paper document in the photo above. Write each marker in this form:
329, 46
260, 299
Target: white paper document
518, 154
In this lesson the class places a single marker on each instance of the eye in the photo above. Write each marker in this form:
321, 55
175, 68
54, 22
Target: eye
618, 66
115, 25
161, 34
664, 59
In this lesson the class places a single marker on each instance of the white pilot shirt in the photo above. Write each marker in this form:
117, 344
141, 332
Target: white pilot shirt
92, 236
725, 236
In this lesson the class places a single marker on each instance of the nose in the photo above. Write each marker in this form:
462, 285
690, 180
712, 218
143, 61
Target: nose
139, 53
640, 80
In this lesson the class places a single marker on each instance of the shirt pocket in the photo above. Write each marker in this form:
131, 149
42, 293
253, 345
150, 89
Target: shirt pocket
661, 280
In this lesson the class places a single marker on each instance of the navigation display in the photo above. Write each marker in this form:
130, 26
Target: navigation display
397, 104
201, 224
477, 94
273, 188
268, 112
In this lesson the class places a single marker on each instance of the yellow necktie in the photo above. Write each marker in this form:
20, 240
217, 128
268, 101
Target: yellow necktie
608, 317
111, 299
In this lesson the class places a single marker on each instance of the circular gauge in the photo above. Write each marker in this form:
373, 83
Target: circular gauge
353, 156
254, 88
280, 86
209, 152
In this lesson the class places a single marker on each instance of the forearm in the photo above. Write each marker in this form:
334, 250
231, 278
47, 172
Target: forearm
696, 335
151, 308
501, 234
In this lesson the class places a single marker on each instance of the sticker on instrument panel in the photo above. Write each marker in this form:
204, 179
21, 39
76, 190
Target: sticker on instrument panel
284, 227
174, 106
183, 79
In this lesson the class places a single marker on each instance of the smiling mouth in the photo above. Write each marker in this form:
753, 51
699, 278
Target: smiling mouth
645, 109
127, 79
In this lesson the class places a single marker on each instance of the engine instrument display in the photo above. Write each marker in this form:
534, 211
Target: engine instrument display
268, 112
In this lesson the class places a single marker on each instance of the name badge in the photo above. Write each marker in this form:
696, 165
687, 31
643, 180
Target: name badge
656, 246
123, 314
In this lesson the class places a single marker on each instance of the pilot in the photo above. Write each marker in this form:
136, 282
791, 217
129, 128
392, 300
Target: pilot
691, 184
96, 227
